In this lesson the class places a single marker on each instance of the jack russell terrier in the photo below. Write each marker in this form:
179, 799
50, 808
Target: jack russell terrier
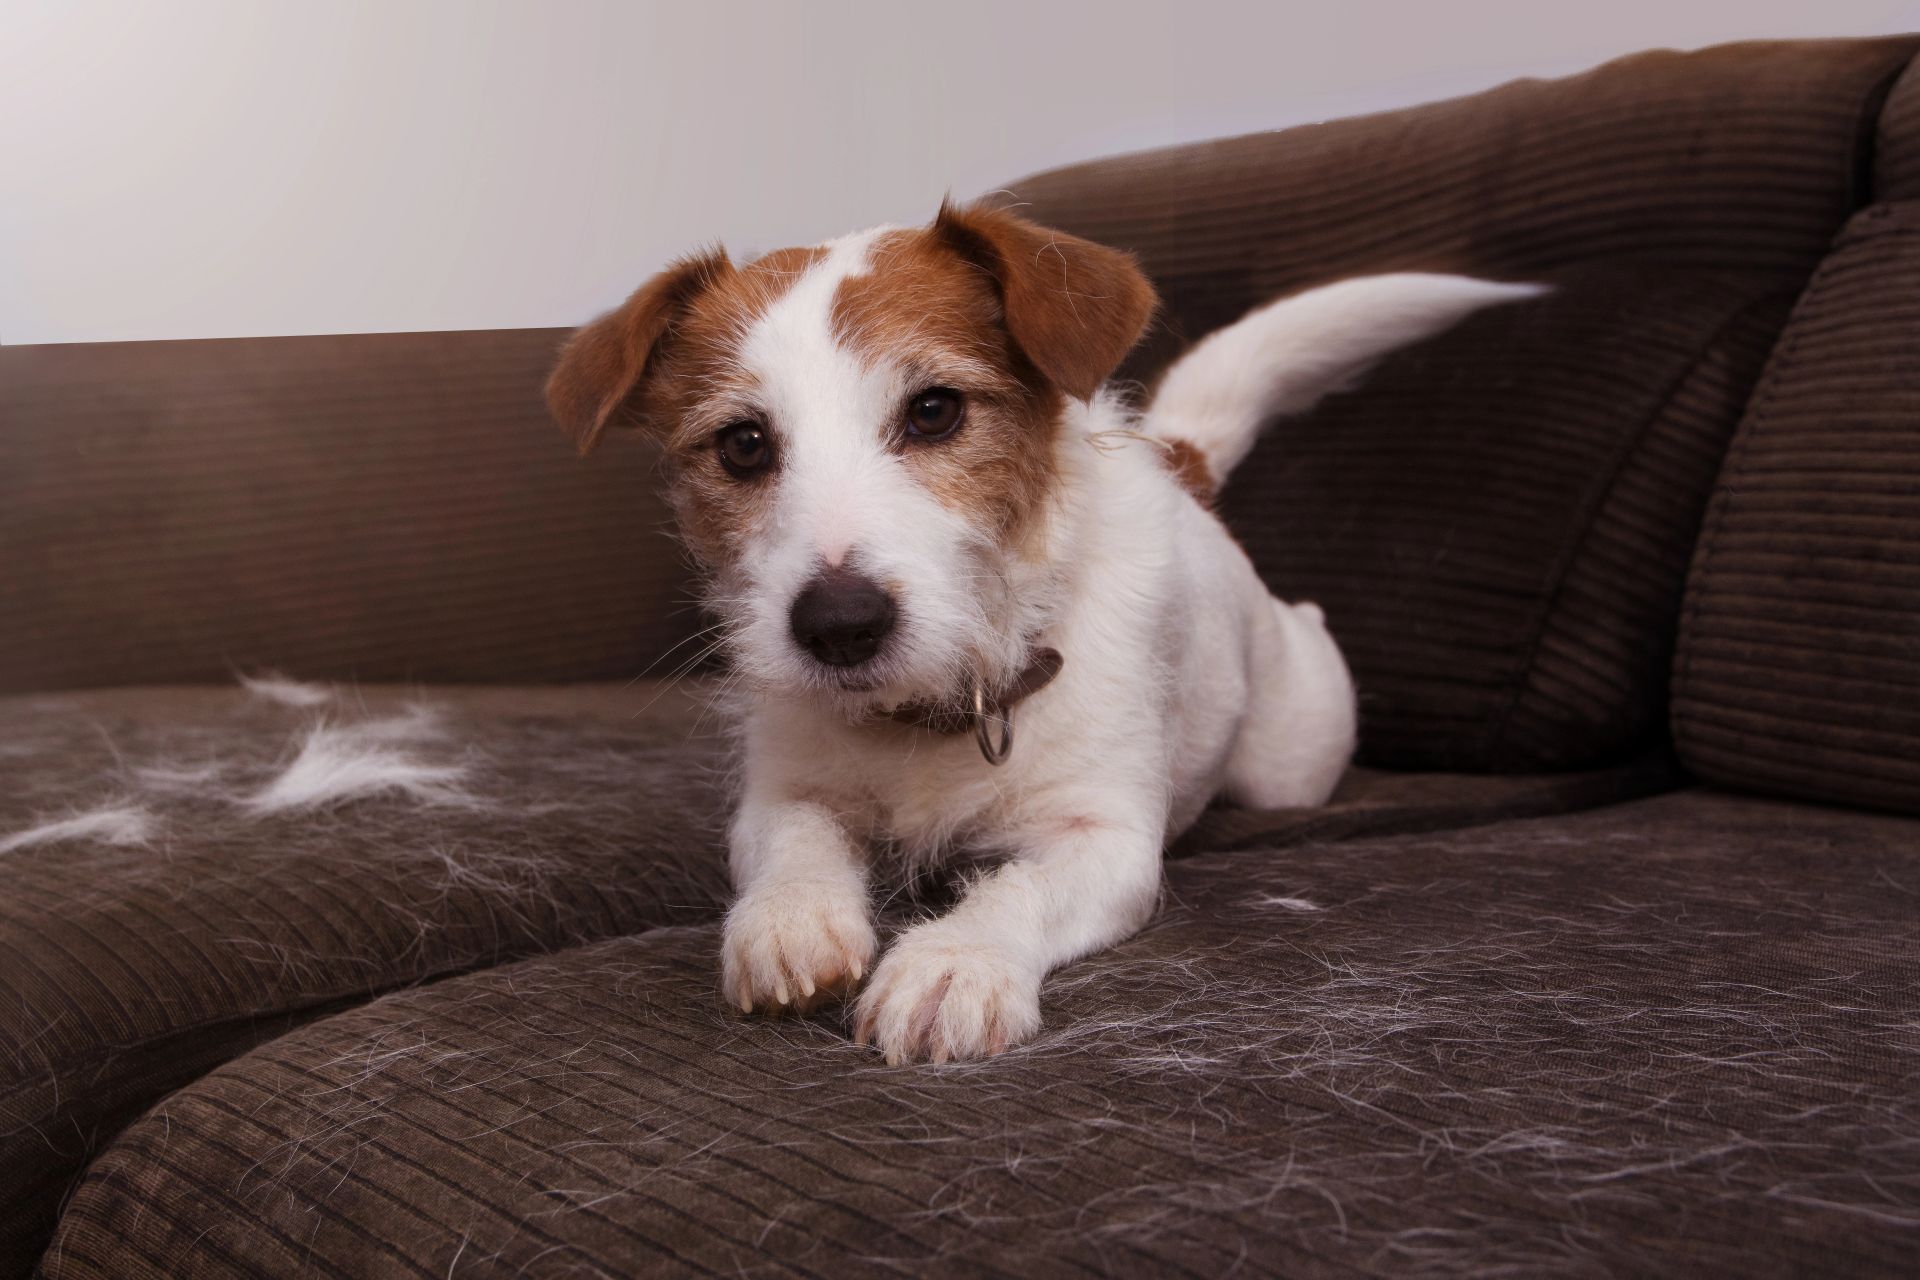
974, 601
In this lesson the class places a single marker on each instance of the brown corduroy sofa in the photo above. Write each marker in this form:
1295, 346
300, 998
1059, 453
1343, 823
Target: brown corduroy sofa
1606, 960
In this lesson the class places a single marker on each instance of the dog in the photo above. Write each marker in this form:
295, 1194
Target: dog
974, 601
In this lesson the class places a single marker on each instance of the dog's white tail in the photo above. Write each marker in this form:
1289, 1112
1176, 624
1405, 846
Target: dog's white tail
1286, 356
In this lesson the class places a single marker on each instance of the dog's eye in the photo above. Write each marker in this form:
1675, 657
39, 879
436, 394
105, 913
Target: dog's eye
934, 413
745, 448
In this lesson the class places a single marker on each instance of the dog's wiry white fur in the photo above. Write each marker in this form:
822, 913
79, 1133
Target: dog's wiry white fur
1184, 678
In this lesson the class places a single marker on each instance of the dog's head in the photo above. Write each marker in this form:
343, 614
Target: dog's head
860, 438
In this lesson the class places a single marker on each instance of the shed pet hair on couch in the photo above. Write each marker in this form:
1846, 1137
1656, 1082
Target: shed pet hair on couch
121, 824
1456, 1065
330, 759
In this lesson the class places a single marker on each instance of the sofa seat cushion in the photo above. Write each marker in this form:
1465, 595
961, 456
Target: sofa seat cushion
189, 872
188, 876
1673, 1036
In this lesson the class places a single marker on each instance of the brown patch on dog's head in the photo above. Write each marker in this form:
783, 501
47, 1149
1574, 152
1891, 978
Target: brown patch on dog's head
1074, 307
924, 309
605, 365
1013, 316
703, 386
650, 363
630, 366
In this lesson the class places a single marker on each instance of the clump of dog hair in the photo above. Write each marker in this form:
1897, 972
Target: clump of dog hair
338, 763
330, 759
117, 823
274, 687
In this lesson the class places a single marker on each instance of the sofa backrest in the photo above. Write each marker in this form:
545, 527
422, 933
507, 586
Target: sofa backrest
1798, 668
376, 507
1499, 523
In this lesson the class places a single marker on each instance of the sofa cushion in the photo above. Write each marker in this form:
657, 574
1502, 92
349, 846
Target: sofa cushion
1896, 161
189, 872
159, 919
1672, 1037
1799, 661
371, 506
1498, 523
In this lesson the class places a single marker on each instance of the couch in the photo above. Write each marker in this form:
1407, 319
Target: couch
1604, 960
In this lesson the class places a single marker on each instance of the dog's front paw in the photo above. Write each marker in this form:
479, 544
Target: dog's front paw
795, 945
936, 998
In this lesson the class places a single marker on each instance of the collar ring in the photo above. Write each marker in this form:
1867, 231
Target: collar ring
995, 752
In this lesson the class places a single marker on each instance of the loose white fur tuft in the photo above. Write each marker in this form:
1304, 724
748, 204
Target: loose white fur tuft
1287, 356
338, 763
327, 763
116, 824
275, 687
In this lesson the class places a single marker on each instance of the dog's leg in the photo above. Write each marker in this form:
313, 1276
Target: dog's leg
801, 930
967, 985
1298, 734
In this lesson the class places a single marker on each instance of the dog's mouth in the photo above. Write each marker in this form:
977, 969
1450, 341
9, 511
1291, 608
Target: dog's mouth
847, 686
875, 687
855, 681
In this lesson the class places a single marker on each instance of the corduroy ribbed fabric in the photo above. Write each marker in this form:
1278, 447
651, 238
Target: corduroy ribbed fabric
1669, 1038
133, 961
372, 507
135, 955
1498, 524
1743, 157
1896, 168
1603, 1044
1798, 671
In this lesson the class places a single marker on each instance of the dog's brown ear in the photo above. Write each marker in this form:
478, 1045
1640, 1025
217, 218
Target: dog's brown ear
1074, 307
604, 365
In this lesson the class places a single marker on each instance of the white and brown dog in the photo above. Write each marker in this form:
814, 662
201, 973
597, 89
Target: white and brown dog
926, 522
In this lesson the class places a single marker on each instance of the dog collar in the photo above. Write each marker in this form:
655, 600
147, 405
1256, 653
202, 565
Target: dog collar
984, 709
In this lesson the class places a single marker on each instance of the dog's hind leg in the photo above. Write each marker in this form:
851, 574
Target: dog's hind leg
1298, 733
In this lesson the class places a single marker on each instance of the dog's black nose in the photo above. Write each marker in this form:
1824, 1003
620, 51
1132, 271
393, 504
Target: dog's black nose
841, 617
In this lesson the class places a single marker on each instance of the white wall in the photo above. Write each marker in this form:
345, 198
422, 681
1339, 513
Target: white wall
227, 167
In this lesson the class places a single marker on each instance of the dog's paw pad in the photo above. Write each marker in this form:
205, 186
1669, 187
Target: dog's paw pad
933, 1000
795, 947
